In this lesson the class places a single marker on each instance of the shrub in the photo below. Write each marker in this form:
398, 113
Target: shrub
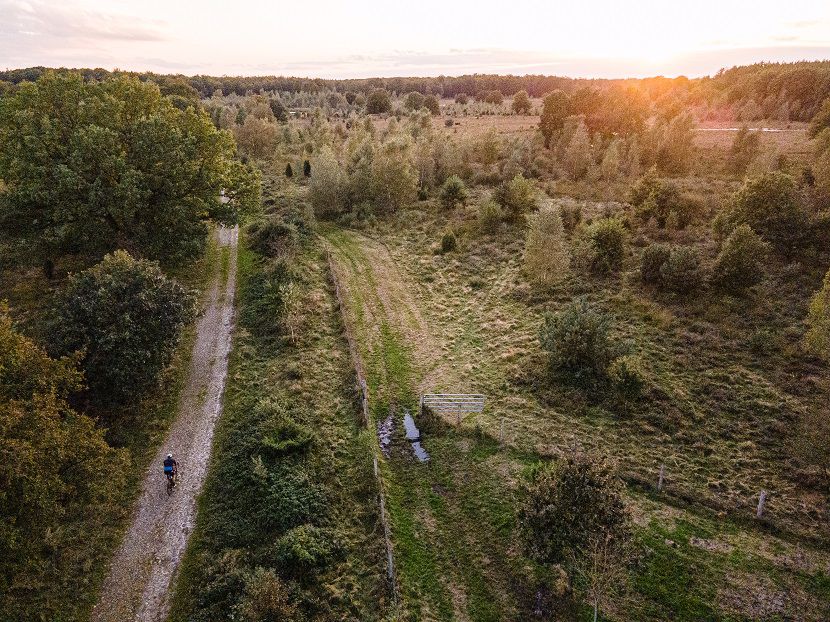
817, 338
263, 303
682, 272
378, 102
651, 262
490, 215
413, 100
821, 119
740, 263
607, 241
305, 549
546, 257
448, 242
126, 317
431, 103
743, 151
567, 504
453, 192
306, 168
517, 196
289, 172
266, 598
627, 377
272, 237
770, 206
461, 98
576, 340
653, 198
571, 212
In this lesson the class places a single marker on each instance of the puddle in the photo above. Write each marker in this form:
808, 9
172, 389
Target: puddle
413, 435
385, 430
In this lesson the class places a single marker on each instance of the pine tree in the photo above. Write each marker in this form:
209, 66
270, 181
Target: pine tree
546, 256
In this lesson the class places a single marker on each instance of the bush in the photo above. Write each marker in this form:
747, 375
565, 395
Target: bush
262, 298
740, 263
126, 317
413, 100
743, 151
289, 172
817, 338
448, 242
662, 201
571, 215
627, 377
607, 242
576, 340
682, 272
651, 262
453, 192
272, 237
431, 103
770, 206
461, 98
568, 504
378, 102
521, 103
490, 215
305, 549
517, 196
546, 258
266, 598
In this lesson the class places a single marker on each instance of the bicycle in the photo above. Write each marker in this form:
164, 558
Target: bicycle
171, 482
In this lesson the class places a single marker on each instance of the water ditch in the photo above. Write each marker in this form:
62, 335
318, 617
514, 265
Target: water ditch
386, 434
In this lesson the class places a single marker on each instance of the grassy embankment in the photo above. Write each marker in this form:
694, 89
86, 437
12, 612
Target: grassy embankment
289, 454
68, 590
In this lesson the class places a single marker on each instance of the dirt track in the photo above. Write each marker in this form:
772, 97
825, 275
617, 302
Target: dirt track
140, 574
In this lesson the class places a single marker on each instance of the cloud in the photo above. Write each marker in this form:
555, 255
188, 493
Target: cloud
71, 22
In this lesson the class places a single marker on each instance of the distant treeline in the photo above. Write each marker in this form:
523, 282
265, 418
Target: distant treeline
787, 91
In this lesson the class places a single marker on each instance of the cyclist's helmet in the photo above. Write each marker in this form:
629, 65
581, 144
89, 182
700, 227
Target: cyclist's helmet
169, 455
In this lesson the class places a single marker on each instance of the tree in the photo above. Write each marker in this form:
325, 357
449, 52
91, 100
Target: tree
817, 338
567, 504
674, 144
821, 119
490, 215
627, 377
517, 196
769, 205
546, 258
493, 96
432, 104
378, 102
51, 473
607, 244
328, 192
555, 109
577, 155
257, 137
577, 340
125, 317
350, 96
740, 263
743, 151
521, 103
610, 166
413, 101
453, 192
461, 98
682, 272
658, 199
93, 166
394, 180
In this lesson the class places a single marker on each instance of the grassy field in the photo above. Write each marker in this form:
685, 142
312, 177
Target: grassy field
463, 322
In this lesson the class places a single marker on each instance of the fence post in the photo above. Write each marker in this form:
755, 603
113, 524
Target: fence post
660, 478
762, 499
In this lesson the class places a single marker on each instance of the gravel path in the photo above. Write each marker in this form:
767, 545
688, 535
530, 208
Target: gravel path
138, 582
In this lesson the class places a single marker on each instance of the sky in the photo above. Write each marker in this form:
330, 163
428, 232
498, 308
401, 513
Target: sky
361, 38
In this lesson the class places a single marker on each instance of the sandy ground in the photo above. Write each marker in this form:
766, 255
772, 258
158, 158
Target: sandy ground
139, 577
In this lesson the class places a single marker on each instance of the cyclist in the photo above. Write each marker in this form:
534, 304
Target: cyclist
171, 467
